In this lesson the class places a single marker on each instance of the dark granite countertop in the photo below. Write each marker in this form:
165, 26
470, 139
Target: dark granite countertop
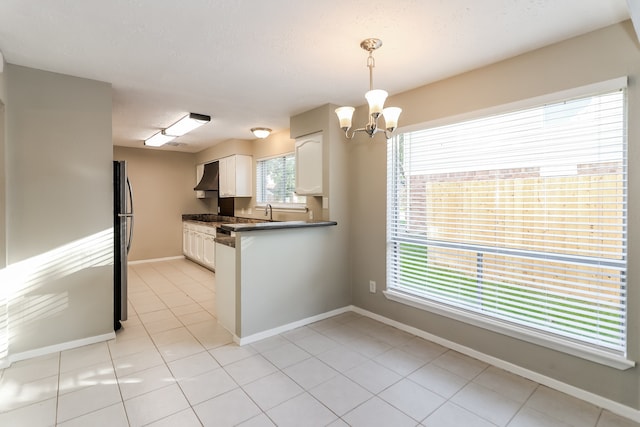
208, 219
215, 221
276, 225
226, 240
237, 224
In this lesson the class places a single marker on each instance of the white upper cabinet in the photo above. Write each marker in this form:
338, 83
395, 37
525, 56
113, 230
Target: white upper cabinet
309, 165
236, 176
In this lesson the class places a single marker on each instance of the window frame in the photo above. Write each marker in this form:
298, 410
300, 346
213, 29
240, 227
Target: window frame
582, 350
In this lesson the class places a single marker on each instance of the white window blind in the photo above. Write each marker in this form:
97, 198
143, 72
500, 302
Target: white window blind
519, 217
276, 181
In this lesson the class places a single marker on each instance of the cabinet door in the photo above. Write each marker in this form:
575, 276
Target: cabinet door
222, 177
195, 245
199, 237
309, 165
185, 240
227, 176
192, 244
231, 175
209, 251
243, 174
236, 177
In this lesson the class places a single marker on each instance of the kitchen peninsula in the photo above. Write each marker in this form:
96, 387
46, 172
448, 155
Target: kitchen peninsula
278, 276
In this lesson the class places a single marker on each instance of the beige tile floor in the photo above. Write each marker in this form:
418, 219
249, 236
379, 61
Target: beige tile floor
173, 365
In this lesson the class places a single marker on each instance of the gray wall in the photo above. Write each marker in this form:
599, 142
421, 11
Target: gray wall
58, 174
609, 53
3, 252
285, 276
162, 184
3, 244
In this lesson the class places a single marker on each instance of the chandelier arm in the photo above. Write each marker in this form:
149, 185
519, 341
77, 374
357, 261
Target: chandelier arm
353, 132
346, 134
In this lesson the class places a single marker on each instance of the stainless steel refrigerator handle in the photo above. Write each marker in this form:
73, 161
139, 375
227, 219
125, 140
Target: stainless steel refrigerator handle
131, 215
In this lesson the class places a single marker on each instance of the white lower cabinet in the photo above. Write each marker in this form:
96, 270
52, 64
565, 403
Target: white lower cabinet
195, 249
198, 244
185, 239
209, 251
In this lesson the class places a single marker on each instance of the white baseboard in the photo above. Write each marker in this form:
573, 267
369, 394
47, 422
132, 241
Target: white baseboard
290, 326
145, 261
603, 402
42, 351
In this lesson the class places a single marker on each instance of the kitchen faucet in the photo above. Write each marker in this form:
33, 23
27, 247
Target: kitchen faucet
268, 210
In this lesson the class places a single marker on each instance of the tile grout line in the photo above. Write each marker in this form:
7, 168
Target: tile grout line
522, 407
343, 374
177, 383
164, 360
154, 345
208, 351
173, 375
115, 374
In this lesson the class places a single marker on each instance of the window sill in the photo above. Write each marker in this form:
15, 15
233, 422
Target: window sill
575, 349
283, 207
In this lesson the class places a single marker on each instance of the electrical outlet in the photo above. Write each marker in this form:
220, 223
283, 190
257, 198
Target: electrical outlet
372, 286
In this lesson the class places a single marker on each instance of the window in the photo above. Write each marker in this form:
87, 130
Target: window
276, 181
518, 220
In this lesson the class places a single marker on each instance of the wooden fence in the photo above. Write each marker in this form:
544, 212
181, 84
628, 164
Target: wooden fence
576, 215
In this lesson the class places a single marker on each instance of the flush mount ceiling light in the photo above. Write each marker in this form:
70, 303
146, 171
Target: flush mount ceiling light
179, 128
261, 132
375, 98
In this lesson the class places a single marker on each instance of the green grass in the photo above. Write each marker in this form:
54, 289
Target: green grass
502, 299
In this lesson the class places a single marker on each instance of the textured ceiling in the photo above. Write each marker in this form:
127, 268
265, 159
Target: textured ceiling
254, 63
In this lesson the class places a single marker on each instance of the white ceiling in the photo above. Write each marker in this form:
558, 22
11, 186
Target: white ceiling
254, 63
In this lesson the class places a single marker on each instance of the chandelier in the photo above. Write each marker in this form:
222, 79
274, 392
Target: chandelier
375, 98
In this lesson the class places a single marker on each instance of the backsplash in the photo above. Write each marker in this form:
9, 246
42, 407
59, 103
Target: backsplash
219, 218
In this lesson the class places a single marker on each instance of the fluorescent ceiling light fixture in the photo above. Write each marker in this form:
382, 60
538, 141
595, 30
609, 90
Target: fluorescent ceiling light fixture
158, 139
375, 99
186, 124
261, 132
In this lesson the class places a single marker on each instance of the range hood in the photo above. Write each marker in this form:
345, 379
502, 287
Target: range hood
209, 180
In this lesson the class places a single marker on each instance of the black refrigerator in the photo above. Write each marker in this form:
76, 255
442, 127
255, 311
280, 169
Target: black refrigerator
123, 233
